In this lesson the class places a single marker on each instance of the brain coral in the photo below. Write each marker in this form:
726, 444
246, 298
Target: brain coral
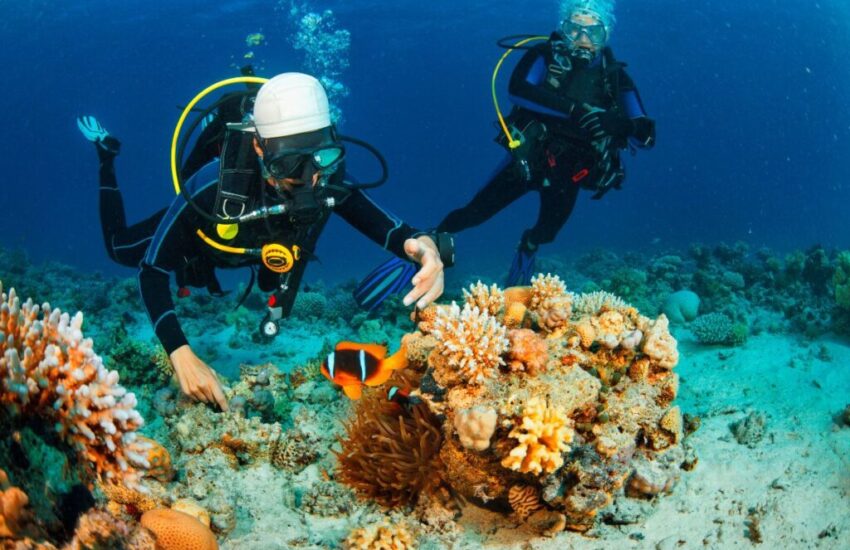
178, 531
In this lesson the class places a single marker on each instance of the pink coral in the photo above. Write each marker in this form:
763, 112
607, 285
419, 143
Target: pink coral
528, 351
48, 370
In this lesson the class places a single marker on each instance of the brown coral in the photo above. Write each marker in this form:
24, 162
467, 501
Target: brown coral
553, 316
390, 455
544, 434
524, 501
178, 531
98, 529
528, 351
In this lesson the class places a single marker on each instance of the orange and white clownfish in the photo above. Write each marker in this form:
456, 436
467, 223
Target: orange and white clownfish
352, 366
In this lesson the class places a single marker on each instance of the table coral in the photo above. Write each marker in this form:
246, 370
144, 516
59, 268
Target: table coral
49, 371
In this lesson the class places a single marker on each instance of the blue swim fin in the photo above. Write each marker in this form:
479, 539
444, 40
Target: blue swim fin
387, 279
522, 267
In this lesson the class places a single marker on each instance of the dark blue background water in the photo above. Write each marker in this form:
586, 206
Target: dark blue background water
750, 98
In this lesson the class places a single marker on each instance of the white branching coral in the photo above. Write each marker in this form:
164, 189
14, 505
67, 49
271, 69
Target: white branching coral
472, 341
544, 433
49, 371
545, 287
591, 303
489, 299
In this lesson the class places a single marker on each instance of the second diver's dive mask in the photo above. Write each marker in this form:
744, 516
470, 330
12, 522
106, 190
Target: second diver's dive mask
584, 34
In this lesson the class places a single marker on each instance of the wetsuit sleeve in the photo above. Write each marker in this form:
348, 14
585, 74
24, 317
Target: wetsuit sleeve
173, 242
380, 226
643, 135
527, 88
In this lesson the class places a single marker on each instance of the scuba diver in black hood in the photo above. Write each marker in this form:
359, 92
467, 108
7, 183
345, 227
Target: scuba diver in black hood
263, 203
575, 108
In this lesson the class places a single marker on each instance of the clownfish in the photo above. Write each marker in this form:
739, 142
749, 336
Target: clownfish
352, 366
402, 398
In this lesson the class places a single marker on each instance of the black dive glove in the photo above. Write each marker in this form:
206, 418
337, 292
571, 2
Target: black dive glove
601, 124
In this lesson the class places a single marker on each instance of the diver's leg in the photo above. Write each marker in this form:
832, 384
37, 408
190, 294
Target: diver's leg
556, 205
503, 188
124, 245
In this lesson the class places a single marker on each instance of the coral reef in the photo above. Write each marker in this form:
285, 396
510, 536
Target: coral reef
555, 440
13, 504
49, 371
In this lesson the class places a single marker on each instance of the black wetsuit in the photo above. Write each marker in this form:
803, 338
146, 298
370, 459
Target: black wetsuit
167, 242
562, 160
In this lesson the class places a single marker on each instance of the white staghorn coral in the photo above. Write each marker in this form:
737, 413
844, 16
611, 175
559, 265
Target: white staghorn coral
472, 341
48, 370
590, 303
489, 299
545, 287
543, 435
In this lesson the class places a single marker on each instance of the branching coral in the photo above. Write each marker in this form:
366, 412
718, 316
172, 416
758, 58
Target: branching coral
48, 370
591, 303
545, 287
391, 455
472, 342
544, 434
383, 537
488, 299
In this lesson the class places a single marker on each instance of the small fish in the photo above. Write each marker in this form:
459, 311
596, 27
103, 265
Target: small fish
402, 398
352, 366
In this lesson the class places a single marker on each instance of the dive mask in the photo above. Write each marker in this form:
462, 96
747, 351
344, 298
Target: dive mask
596, 33
290, 162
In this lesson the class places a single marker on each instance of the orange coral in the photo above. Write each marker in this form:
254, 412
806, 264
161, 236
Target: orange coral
391, 455
544, 433
528, 351
159, 459
178, 531
13, 503
660, 344
51, 372
384, 537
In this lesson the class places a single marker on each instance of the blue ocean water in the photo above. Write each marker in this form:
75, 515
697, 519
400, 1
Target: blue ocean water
750, 97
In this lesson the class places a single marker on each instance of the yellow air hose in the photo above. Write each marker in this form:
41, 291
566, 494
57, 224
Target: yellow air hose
512, 143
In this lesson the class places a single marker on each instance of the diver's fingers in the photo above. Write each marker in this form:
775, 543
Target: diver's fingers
218, 396
415, 294
431, 266
433, 293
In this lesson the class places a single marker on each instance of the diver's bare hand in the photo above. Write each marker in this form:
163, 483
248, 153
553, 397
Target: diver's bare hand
197, 379
428, 281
